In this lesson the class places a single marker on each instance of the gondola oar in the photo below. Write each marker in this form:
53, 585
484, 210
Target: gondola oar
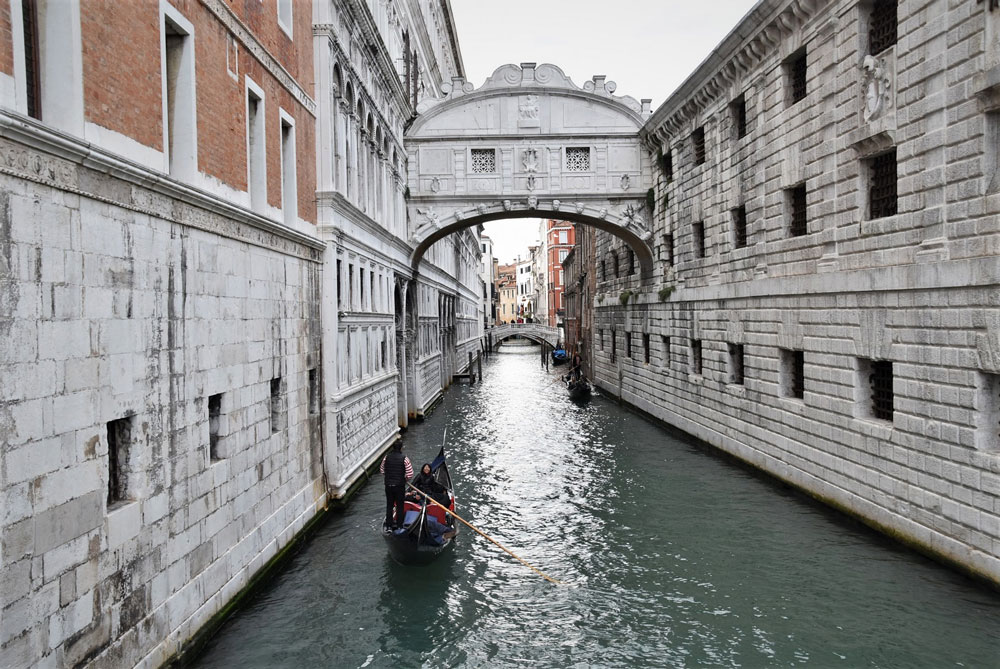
479, 531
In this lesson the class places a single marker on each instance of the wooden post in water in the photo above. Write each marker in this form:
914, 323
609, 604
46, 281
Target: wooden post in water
479, 365
472, 376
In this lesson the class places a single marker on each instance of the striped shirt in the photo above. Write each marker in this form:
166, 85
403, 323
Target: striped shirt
406, 463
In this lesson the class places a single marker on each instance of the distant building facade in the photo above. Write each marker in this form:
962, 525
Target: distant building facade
560, 238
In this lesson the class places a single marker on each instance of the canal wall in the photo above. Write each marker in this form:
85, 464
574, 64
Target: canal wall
824, 302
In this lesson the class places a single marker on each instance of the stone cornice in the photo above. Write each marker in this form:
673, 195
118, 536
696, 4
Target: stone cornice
257, 50
60, 157
756, 37
382, 61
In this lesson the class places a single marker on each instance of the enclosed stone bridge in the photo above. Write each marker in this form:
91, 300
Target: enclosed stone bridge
529, 143
534, 331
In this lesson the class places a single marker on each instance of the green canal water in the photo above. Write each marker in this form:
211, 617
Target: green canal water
671, 557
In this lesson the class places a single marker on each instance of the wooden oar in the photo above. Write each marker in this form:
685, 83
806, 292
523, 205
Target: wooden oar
479, 531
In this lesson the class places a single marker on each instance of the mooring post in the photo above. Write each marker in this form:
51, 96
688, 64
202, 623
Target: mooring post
472, 376
479, 365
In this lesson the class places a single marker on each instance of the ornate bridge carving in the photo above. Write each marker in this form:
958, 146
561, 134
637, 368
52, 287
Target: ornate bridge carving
529, 143
534, 331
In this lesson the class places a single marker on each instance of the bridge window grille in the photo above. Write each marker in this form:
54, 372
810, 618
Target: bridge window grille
645, 347
792, 373
796, 205
739, 110
628, 345
668, 248
882, 194
484, 161
795, 68
740, 226
696, 357
698, 230
882, 29
880, 384
665, 340
578, 159
698, 143
119, 454
214, 427
736, 364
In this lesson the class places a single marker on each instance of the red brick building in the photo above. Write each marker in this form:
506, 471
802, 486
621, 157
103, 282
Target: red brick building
559, 241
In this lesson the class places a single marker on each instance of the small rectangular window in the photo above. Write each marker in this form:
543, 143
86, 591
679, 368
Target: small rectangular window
739, 226
698, 144
214, 427
795, 208
350, 286
628, 345
289, 186
882, 26
614, 345
792, 373
276, 413
696, 357
577, 159
698, 236
667, 165
484, 161
32, 64
313, 392
285, 16
874, 385
739, 116
179, 90
668, 249
796, 76
882, 197
645, 347
257, 174
340, 298
736, 364
119, 456
665, 340
988, 412
361, 287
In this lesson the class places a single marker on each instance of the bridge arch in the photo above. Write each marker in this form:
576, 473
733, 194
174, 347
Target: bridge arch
529, 143
542, 334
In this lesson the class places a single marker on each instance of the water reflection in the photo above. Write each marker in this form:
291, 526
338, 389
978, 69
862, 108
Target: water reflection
671, 557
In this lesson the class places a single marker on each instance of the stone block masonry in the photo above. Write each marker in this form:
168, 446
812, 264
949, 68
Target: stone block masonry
134, 504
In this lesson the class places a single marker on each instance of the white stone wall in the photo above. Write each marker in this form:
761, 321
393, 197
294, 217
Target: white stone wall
916, 289
122, 303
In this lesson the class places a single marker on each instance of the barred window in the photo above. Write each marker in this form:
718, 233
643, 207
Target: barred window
696, 359
736, 364
739, 110
628, 345
645, 347
484, 161
882, 198
796, 74
577, 159
880, 384
667, 164
698, 142
795, 202
740, 226
668, 248
882, 28
792, 373
698, 233
665, 340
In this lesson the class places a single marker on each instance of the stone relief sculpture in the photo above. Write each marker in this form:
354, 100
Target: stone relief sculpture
625, 182
482, 209
875, 86
532, 202
435, 185
506, 205
527, 107
431, 217
579, 207
556, 204
529, 159
531, 182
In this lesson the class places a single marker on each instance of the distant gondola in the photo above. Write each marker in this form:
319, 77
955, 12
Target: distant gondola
427, 530
579, 389
559, 356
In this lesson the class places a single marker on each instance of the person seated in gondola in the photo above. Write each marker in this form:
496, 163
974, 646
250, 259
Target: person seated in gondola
426, 483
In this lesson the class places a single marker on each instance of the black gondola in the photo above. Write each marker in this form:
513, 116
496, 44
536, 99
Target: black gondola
427, 529
579, 388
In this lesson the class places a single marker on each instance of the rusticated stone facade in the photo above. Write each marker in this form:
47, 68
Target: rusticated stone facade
826, 232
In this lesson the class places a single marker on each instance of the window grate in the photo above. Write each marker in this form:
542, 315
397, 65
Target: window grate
668, 248
740, 116
631, 261
696, 360
666, 350
798, 224
798, 374
698, 142
119, 452
577, 159
667, 163
604, 273
882, 194
882, 29
628, 345
484, 161
797, 76
645, 347
698, 230
214, 420
614, 345
614, 263
880, 381
736, 364
740, 226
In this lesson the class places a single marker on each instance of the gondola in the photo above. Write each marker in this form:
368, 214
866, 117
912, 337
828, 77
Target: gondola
427, 529
579, 389
559, 356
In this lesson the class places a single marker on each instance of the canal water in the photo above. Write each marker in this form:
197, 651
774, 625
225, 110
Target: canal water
670, 557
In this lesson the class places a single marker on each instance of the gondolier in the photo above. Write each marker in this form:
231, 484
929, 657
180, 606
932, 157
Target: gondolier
397, 470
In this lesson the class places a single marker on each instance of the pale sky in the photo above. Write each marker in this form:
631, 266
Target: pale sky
647, 47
